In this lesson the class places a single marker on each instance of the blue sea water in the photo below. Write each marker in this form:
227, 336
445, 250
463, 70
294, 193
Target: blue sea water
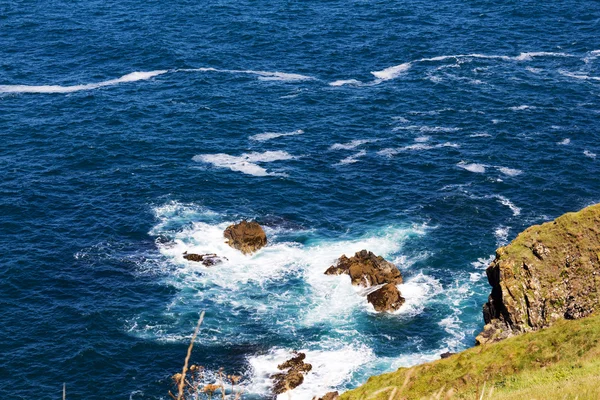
428, 132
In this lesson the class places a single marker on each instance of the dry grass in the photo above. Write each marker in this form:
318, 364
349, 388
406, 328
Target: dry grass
196, 386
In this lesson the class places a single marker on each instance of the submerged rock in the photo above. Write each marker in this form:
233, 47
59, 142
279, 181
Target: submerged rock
386, 298
207, 259
366, 269
549, 272
245, 236
293, 375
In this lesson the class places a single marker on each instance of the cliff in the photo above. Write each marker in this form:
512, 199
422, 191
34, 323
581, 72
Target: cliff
549, 272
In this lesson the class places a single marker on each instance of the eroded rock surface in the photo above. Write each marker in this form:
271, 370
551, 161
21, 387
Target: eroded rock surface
292, 375
386, 298
549, 272
366, 269
245, 236
207, 259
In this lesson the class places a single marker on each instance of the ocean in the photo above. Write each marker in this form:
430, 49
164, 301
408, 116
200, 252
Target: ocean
430, 133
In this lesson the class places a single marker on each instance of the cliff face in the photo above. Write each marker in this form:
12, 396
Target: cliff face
549, 272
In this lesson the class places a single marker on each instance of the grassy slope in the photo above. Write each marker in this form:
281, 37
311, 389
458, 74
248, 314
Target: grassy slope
559, 362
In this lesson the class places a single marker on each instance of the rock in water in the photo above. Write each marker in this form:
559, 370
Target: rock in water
293, 375
330, 396
246, 237
366, 269
386, 298
549, 272
207, 259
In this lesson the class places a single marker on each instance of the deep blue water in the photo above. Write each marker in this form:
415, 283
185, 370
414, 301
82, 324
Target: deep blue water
427, 132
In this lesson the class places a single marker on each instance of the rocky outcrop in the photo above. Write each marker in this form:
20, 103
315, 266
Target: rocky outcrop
386, 298
366, 269
329, 396
293, 375
207, 259
245, 236
549, 272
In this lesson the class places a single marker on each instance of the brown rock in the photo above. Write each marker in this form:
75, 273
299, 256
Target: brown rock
446, 355
549, 272
366, 269
330, 396
293, 375
246, 237
207, 259
386, 298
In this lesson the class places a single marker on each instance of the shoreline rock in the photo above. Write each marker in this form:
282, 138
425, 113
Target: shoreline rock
293, 375
366, 269
549, 272
206, 259
247, 237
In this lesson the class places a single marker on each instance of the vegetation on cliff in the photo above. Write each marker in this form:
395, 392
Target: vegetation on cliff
549, 272
559, 362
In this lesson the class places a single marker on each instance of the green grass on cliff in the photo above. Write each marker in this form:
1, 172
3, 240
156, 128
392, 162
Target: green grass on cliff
560, 362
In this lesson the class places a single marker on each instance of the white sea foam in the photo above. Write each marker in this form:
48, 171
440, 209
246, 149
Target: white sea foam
247, 162
397, 70
422, 139
529, 56
483, 263
417, 290
351, 145
263, 137
330, 369
392, 72
401, 120
589, 154
579, 76
421, 128
521, 108
343, 82
415, 147
504, 201
475, 135
565, 142
472, 167
501, 234
263, 75
510, 171
131, 77
353, 158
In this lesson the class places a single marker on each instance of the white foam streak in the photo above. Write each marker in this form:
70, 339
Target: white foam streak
504, 201
245, 163
472, 167
565, 142
263, 137
392, 72
131, 77
354, 158
589, 154
415, 147
510, 171
351, 145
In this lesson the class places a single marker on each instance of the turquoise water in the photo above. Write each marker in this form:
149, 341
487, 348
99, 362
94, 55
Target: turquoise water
429, 133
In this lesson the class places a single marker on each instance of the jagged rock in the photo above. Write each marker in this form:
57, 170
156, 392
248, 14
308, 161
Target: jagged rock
446, 355
386, 298
549, 272
207, 259
366, 269
246, 237
293, 375
330, 396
